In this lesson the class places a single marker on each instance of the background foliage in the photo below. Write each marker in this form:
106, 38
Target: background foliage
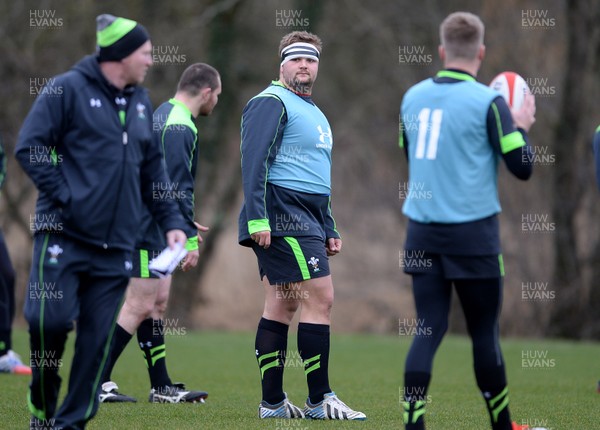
554, 44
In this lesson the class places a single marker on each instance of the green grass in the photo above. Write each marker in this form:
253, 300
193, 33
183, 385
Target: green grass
557, 391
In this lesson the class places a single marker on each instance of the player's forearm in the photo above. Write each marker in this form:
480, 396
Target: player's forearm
520, 161
506, 140
45, 174
37, 149
330, 224
186, 206
166, 212
261, 139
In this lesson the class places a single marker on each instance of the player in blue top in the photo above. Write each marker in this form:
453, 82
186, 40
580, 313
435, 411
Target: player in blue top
454, 131
286, 219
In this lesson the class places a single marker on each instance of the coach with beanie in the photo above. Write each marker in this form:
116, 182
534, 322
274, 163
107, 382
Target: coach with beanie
96, 127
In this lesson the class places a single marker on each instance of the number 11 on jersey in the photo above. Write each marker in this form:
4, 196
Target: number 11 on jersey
429, 121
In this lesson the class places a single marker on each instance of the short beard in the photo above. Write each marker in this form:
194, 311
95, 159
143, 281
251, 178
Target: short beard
300, 87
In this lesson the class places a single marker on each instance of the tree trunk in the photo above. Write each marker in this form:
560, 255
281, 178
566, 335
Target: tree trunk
572, 311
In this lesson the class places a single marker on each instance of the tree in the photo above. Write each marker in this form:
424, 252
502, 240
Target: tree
576, 309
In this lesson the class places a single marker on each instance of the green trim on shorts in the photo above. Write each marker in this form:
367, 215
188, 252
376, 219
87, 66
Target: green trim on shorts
144, 271
293, 242
501, 262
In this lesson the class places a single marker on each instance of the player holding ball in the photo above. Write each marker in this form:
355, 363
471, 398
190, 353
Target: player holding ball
454, 130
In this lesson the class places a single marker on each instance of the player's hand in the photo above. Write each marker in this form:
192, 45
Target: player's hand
200, 228
263, 238
334, 246
524, 117
190, 260
176, 236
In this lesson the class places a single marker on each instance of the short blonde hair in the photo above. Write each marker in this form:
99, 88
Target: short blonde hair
461, 35
300, 36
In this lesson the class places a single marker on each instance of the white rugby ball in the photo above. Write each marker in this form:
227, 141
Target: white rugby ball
512, 87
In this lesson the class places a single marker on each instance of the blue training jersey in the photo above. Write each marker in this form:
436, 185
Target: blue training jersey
450, 157
286, 165
303, 161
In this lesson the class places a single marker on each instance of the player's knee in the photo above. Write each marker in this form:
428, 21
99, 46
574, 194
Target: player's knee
160, 306
290, 307
141, 309
159, 310
439, 328
327, 299
282, 310
323, 300
319, 306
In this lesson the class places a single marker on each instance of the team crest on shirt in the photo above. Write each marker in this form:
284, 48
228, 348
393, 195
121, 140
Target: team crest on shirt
314, 263
54, 251
141, 110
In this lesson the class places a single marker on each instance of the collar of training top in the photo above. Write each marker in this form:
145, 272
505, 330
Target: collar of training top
297, 50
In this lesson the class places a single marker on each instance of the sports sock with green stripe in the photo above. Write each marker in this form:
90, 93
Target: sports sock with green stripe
270, 347
4, 341
119, 341
313, 346
492, 383
415, 399
150, 335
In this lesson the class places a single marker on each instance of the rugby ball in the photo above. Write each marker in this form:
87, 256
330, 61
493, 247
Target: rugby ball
512, 87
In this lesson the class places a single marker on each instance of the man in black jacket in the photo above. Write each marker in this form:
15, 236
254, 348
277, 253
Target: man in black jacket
87, 145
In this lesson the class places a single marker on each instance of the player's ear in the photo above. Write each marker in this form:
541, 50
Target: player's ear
205, 94
442, 53
481, 53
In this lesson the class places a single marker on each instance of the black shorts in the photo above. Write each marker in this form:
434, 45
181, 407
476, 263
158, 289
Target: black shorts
292, 259
452, 266
140, 260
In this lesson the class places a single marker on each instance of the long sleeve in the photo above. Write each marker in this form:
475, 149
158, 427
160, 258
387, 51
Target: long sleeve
511, 143
154, 171
179, 146
39, 143
330, 224
263, 121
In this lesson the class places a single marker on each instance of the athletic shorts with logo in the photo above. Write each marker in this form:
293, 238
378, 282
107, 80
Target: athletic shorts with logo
292, 259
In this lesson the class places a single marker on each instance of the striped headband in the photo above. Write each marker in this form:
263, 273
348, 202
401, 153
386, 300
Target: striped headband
298, 50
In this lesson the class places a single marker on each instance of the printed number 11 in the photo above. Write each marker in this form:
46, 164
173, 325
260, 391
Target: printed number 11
434, 135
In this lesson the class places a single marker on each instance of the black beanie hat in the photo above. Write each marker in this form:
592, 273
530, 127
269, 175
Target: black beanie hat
116, 38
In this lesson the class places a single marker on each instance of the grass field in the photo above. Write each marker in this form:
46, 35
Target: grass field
552, 384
